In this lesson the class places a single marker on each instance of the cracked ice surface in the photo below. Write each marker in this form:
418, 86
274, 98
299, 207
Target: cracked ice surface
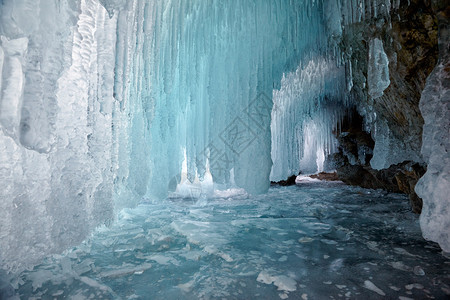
309, 241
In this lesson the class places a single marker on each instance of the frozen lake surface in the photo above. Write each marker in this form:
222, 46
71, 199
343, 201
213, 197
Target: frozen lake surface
310, 241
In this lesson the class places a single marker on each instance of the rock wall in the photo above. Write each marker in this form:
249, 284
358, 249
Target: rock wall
398, 59
400, 43
352, 164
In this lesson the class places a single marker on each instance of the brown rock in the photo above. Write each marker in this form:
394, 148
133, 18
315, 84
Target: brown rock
400, 178
407, 180
326, 176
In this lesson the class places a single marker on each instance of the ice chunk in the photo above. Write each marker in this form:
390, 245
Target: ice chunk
378, 69
13, 80
95, 284
419, 271
433, 187
400, 266
125, 271
186, 287
284, 283
369, 285
389, 149
56, 137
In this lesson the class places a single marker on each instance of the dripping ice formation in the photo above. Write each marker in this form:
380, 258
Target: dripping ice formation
102, 102
306, 109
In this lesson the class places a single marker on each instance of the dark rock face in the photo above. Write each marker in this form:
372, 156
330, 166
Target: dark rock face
355, 144
410, 39
326, 176
357, 147
407, 180
409, 34
414, 33
287, 182
353, 167
400, 178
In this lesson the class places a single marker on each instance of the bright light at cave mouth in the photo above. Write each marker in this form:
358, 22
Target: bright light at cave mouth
139, 140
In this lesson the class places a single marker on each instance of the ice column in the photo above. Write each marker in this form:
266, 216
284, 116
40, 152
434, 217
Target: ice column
378, 69
56, 134
433, 187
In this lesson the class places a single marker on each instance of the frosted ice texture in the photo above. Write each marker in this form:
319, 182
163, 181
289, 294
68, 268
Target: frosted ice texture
389, 149
378, 69
56, 115
434, 186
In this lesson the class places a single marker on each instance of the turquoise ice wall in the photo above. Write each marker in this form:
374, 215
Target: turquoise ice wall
102, 102
202, 84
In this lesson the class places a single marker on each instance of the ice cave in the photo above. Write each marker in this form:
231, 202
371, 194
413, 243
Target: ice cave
224, 149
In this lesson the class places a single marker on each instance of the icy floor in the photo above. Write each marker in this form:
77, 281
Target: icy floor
310, 241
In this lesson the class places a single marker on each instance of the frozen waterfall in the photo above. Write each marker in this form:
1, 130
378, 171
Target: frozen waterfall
102, 102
